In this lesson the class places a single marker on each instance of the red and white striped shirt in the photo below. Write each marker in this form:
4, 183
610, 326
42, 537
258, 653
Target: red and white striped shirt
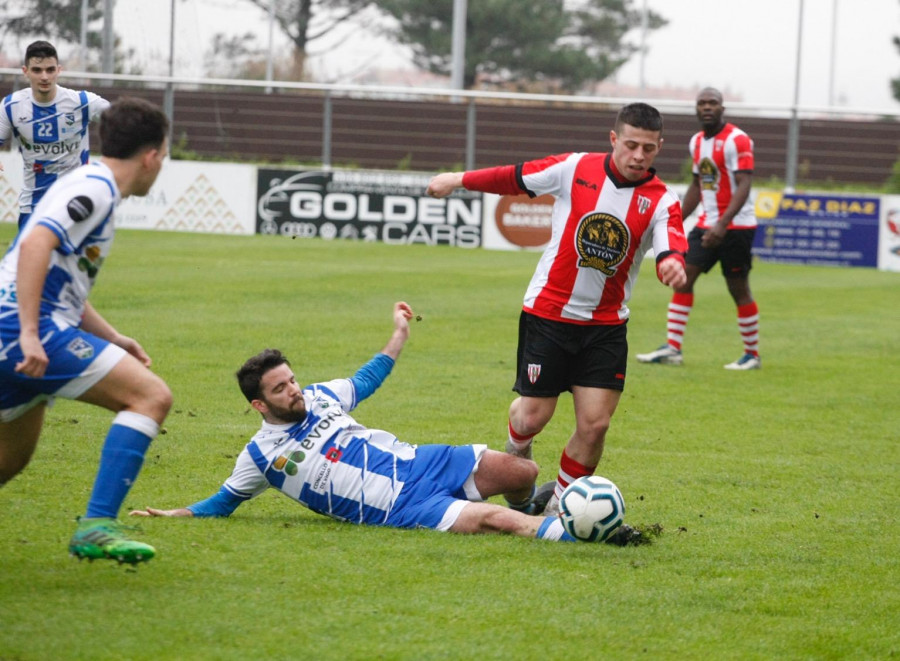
601, 227
716, 159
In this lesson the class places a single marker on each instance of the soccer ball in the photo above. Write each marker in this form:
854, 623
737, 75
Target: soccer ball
591, 508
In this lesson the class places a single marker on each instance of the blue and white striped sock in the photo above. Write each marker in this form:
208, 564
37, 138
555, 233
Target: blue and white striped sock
552, 528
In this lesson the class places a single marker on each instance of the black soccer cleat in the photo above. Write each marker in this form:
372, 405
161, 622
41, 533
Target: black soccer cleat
625, 535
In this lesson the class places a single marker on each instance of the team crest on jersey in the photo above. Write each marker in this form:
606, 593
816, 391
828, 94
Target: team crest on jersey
643, 204
602, 242
81, 349
709, 174
70, 118
534, 372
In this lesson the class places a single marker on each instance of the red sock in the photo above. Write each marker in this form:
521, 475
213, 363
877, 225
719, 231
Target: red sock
748, 323
518, 440
516, 436
677, 318
569, 471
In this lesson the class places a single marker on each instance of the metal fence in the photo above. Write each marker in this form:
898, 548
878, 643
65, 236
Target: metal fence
436, 129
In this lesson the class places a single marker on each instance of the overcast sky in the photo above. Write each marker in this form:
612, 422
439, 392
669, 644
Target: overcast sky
747, 47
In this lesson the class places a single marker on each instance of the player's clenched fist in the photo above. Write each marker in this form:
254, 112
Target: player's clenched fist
444, 184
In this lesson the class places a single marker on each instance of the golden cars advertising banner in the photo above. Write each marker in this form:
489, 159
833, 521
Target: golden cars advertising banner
360, 205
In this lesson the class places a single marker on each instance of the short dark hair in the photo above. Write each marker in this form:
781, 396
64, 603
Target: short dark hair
640, 116
711, 91
251, 373
40, 50
130, 125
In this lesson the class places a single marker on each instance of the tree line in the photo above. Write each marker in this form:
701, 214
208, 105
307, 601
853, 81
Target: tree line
551, 45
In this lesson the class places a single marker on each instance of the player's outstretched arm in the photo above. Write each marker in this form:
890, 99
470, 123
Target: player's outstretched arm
150, 511
370, 376
221, 504
402, 314
443, 184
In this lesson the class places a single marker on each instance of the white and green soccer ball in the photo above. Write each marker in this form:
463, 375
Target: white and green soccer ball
591, 508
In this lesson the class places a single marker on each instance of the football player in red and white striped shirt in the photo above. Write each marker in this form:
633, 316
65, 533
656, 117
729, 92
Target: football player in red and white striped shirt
723, 168
610, 209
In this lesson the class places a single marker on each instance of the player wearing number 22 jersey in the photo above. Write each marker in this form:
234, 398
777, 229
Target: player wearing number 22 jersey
48, 123
52, 137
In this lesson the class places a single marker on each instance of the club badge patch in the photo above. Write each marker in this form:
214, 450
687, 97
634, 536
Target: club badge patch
534, 372
81, 349
602, 242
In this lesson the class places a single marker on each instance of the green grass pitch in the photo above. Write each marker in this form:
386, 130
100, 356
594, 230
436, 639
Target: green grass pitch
776, 490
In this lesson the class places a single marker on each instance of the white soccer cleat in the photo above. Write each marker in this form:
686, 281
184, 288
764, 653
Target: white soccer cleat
746, 362
665, 355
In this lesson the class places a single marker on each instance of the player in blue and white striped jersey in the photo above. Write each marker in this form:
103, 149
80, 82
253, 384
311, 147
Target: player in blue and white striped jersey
315, 453
53, 343
48, 123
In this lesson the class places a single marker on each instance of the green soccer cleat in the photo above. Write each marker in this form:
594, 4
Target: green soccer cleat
97, 539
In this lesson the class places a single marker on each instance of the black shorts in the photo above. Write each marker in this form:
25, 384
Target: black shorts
553, 356
734, 253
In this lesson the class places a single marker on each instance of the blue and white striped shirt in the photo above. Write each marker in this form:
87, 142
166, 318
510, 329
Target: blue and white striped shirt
78, 209
328, 462
52, 137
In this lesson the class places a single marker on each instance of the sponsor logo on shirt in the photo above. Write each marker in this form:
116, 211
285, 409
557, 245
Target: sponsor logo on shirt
91, 261
324, 424
602, 242
53, 148
288, 463
322, 476
709, 174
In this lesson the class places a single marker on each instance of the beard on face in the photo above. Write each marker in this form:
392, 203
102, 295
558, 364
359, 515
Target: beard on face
294, 414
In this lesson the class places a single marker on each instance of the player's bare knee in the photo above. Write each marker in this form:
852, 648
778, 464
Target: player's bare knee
165, 398
528, 469
531, 423
524, 471
594, 430
155, 399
